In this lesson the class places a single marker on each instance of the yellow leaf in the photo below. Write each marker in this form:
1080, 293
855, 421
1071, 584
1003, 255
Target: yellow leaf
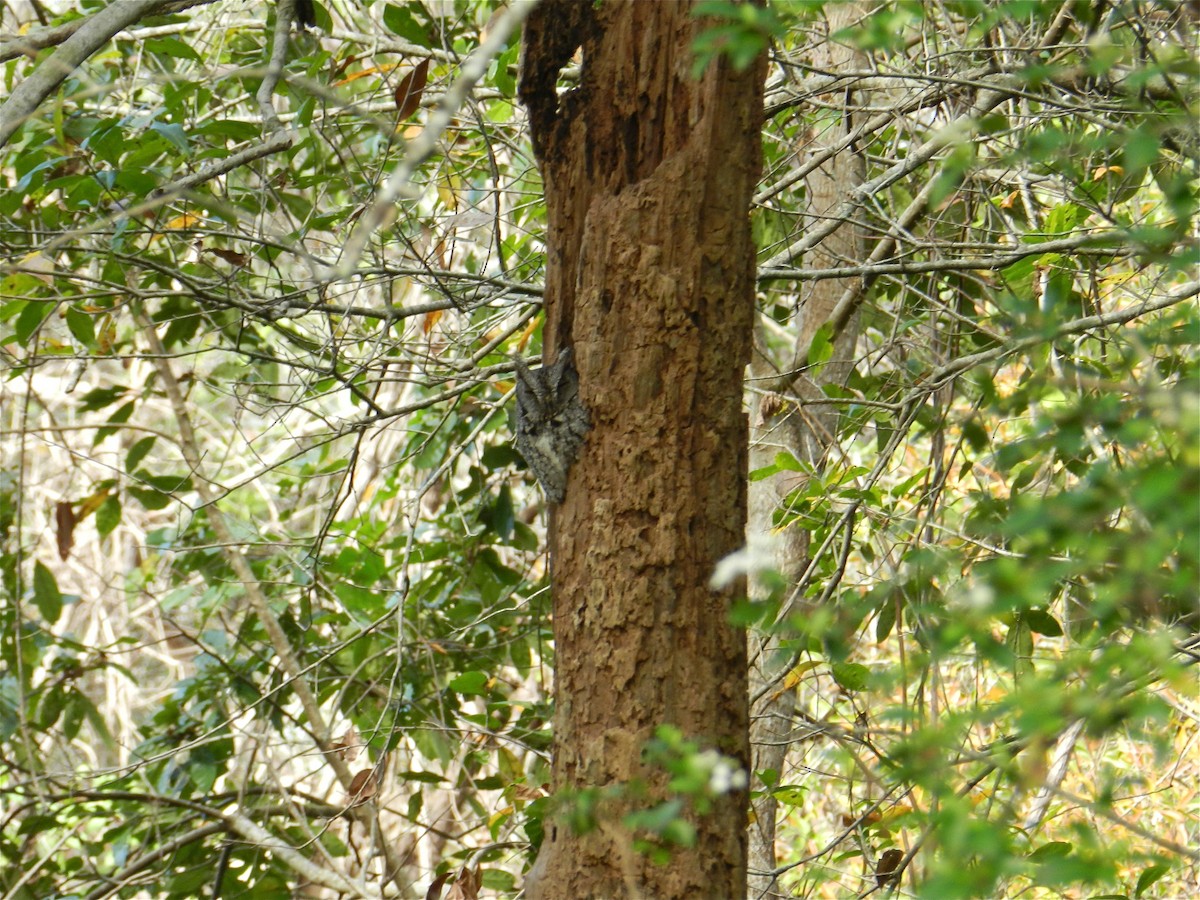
106, 334
374, 70
797, 674
500, 814
431, 319
91, 504
526, 334
187, 220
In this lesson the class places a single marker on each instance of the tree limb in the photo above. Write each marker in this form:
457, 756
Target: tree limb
392, 189
91, 36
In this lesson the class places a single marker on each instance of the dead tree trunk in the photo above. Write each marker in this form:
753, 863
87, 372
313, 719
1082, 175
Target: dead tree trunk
650, 277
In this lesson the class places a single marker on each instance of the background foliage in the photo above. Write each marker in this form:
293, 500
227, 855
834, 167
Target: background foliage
260, 513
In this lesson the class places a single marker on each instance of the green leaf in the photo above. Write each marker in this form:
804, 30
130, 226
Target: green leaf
52, 703
886, 620
422, 777
500, 70
150, 499
98, 398
790, 795
80, 325
820, 351
469, 683
174, 134
73, 714
138, 452
1141, 151
1150, 875
1041, 622
500, 517
108, 516
786, 462
1064, 218
851, 676
31, 319
46, 595
12, 308
168, 484
499, 882
359, 599
399, 20
119, 417
1051, 850
170, 46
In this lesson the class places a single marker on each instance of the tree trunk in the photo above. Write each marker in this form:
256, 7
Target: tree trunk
806, 432
650, 278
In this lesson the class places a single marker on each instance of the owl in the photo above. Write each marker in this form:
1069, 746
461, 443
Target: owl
551, 421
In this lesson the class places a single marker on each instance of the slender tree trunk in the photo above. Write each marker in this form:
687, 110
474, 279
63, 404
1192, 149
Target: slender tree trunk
786, 424
650, 278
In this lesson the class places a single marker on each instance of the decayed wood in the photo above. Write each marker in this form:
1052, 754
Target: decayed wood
650, 270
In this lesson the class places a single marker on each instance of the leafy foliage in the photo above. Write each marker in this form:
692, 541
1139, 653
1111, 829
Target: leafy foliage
236, 477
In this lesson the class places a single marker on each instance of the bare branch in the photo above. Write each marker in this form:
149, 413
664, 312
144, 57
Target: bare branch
1100, 241
397, 184
284, 13
90, 37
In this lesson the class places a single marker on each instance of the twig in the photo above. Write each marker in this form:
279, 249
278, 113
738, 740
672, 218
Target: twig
14, 45
1056, 774
397, 184
322, 734
943, 374
280, 140
284, 13
999, 260
91, 36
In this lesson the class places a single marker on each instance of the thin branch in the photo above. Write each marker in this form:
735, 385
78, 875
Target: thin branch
984, 103
398, 183
998, 260
189, 446
941, 376
14, 45
280, 140
284, 13
90, 37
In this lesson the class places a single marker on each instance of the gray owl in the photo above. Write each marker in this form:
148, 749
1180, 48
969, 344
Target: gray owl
551, 420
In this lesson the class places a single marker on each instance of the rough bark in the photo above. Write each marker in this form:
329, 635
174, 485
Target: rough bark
805, 431
650, 275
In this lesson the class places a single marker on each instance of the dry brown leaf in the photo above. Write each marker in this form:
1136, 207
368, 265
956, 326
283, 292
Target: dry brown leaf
231, 256
885, 869
347, 745
64, 517
466, 886
527, 793
363, 787
411, 87
435, 889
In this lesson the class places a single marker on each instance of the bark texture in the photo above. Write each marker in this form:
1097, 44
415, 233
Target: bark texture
650, 277
807, 432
